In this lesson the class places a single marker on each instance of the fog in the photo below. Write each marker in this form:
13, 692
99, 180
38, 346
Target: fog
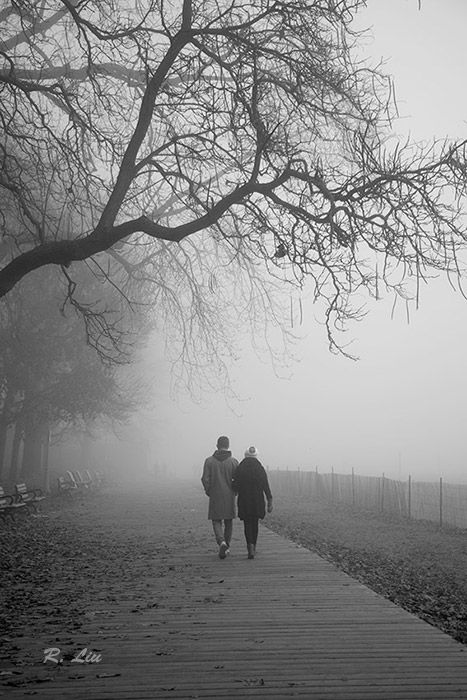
401, 408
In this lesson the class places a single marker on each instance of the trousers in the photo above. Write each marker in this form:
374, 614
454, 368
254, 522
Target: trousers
250, 525
222, 533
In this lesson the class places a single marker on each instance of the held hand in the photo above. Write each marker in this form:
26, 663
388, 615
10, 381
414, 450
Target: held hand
269, 507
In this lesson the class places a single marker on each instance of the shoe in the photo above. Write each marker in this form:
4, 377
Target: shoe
251, 551
223, 549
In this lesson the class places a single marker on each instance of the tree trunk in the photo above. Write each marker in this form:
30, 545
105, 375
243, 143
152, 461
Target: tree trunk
32, 454
45, 458
15, 450
3, 465
5, 418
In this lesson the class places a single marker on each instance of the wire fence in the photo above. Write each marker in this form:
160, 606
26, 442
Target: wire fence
440, 502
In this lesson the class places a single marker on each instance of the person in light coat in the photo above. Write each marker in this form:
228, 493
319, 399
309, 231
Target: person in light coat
251, 484
217, 478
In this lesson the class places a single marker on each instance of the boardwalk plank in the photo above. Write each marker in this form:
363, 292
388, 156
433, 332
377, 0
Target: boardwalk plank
286, 625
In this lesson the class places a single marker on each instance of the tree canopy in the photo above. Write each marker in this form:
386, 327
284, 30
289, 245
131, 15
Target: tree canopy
134, 128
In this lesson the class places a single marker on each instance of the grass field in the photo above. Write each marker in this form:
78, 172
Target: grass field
413, 563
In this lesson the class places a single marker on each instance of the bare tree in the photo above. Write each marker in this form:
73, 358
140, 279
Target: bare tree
242, 129
50, 379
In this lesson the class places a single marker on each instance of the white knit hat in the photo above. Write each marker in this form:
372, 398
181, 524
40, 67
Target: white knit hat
251, 452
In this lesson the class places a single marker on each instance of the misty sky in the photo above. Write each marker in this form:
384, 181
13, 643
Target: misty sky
402, 408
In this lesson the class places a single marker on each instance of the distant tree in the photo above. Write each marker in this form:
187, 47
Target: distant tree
134, 127
50, 377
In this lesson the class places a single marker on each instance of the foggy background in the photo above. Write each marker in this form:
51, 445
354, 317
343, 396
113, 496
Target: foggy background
401, 408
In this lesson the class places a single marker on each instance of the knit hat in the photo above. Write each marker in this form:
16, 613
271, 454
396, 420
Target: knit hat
251, 452
223, 443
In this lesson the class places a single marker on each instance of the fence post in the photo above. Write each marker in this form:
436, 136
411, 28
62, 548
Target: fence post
409, 498
332, 484
441, 501
353, 487
382, 492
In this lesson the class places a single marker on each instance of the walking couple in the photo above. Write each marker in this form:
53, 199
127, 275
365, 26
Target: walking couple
223, 478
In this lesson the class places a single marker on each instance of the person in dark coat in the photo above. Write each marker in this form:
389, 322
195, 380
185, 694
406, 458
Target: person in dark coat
251, 484
217, 477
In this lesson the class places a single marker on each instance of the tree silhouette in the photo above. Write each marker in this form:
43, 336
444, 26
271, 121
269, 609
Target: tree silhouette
130, 127
51, 380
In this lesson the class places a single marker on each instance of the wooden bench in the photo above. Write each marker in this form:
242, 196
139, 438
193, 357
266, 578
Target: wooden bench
9, 505
29, 497
67, 485
96, 479
101, 478
83, 482
93, 478
74, 482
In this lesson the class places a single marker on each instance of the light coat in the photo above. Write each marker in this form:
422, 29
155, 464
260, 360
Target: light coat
217, 478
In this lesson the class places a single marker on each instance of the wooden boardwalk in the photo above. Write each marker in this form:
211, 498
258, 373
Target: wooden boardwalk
285, 625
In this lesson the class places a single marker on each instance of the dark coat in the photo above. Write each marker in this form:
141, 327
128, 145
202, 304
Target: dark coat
251, 483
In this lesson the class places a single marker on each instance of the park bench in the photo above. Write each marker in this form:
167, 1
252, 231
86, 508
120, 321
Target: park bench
101, 478
67, 485
29, 497
94, 478
83, 482
9, 505
73, 482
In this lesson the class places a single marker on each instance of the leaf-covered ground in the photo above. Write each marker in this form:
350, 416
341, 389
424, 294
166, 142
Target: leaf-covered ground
74, 562
61, 571
413, 563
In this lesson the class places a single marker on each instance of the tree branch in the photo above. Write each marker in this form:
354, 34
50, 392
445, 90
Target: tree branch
66, 251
